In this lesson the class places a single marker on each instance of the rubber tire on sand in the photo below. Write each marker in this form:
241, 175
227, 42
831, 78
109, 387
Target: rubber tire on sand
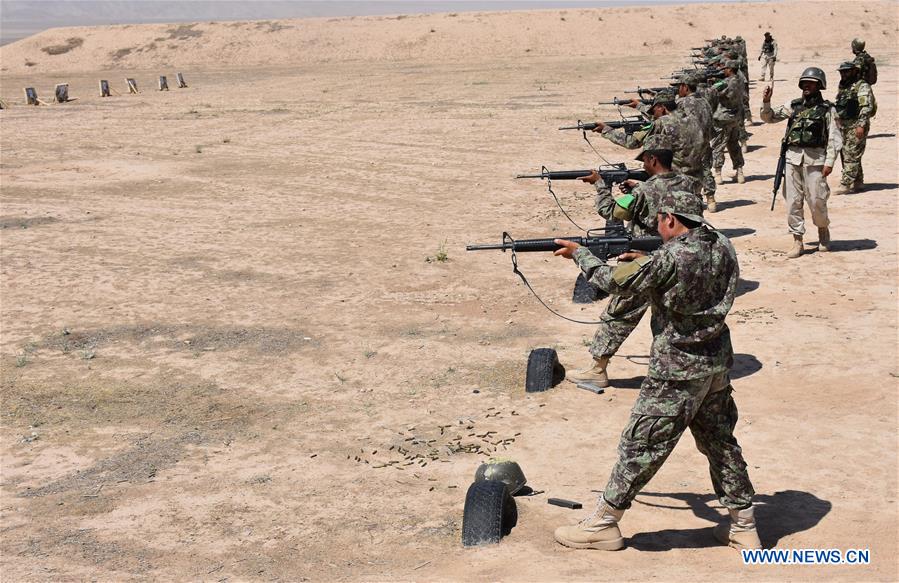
544, 370
490, 513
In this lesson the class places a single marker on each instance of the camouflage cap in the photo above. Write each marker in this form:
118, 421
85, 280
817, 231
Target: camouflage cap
683, 204
847, 66
732, 64
655, 143
665, 98
691, 78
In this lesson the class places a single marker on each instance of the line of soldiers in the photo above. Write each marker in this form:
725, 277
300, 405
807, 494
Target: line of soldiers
703, 113
690, 281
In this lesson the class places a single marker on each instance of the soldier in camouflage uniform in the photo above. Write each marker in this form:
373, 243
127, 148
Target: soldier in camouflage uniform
638, 207
698, 111
704, 91
743, 58
855, 106
728, 119
691, 282
865, 62
813, 140
686, 138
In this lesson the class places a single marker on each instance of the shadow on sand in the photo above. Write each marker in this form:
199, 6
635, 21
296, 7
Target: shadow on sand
779, 515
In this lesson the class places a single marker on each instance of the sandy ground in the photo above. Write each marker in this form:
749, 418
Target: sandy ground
222, 313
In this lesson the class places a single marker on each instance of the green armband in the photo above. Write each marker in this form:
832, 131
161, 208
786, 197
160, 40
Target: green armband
622, 210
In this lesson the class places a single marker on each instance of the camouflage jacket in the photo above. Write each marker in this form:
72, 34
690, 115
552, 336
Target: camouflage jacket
643, 211
690, 282
710, 96
686, 138
730, 100
863, 61
855, 104
699, 111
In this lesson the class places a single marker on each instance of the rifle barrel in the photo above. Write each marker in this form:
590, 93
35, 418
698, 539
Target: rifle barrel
580, 126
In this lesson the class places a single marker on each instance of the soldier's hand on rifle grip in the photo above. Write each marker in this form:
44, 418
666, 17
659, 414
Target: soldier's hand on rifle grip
627, 185
631, 255
634, 103
766, 96
592, 178
567, 250
599, 127
860, 132
826, 171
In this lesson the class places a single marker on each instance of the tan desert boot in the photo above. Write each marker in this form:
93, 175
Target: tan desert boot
741, 532
823, 239
718, 179
796, 250
740, 178
844, 189
597, 531
711, 204
595, 375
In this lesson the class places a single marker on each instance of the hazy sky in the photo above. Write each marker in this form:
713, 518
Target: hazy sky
21, 18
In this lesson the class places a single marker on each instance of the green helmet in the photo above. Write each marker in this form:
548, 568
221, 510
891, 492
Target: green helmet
500, 470
814, 74
858, 45
847, 66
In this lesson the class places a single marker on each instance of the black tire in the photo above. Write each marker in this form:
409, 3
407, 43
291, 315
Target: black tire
490, 513
585, 292
544, 370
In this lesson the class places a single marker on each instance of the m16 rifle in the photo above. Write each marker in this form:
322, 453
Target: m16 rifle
617, 101
629, 124
610, 174
648, 91
781, 171
612, 243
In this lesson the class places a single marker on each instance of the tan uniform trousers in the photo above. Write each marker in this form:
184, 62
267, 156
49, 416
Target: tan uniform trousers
806, 184
768, 67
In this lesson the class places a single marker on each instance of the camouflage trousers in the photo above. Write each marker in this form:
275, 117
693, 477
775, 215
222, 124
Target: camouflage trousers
727, 136
663, 411
621, 316
747, 112
708, 179
851, 155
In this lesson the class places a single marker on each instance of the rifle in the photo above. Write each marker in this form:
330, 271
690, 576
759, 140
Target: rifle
617, 101
611, 174
630, 125
781, 171
708, 73
611, 244
642, 90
